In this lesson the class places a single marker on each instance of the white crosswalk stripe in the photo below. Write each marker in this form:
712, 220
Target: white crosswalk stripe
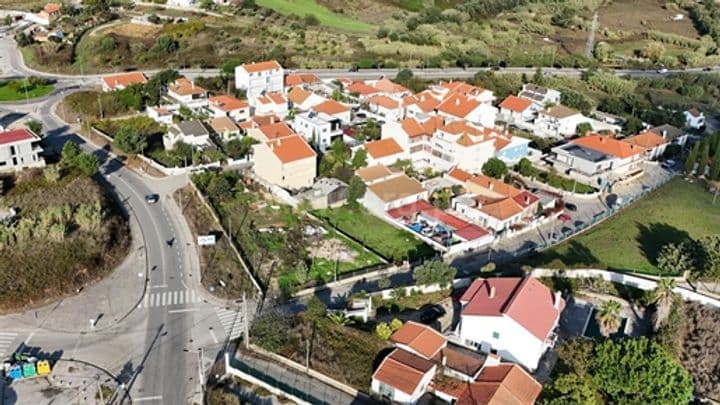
168, 298
6, 341
231, 321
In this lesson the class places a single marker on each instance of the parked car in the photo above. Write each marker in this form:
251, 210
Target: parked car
564, 218
430, 313
152, 198
570, 206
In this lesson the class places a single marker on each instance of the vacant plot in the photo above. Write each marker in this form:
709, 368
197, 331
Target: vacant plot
639, 16
310, 7
128, 29
391, 242
68, 233
15, 90
631, 240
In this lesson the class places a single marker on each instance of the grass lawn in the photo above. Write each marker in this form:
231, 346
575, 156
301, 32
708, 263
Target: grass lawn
323, 14
8, 93
631, 240
380, 236
324, 267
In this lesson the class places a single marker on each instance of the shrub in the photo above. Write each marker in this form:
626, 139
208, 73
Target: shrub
383, 331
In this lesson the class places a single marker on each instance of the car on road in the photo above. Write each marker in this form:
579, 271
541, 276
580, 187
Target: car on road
564, 218
570, 206
152, 198
662, 71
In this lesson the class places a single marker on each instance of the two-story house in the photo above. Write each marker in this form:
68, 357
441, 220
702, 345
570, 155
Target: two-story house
187, 93
694, 118
333, 108
270, 104
320, 129
259, 78
390, 109
516, 110
384, 152
228, 106
20, 149
191, 132
288, 162
510, 316
303, 100
539, 96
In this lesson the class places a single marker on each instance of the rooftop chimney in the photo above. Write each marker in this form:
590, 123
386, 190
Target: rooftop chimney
664, 134
556, 300
492, 292
272, 119
527, 199
457, 101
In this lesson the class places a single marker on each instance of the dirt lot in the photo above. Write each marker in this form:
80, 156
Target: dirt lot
128, 29
642, 15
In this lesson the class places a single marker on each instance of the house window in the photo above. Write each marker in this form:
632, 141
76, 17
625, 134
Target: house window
496, 335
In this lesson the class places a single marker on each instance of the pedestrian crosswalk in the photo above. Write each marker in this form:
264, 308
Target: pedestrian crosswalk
231, 321
6, 341
169, 298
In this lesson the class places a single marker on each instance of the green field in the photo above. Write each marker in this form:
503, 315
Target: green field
323, 14
378, 235
631, 240
8, 93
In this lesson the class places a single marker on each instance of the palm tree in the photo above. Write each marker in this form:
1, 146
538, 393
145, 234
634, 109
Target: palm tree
608, 317
664, 298
339, 318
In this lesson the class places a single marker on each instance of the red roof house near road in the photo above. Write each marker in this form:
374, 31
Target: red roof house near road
463, 229
420, 339
504, 384
16, 135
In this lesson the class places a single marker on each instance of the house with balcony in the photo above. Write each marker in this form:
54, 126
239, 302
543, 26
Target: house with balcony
224, 127
421, 105
187, 93
228, 106
288, 162
386, 107
463, 107
333, 108
514, 110
598, 160
319, 129
162, 114
513, 317
20, 149
270, 104
259, 78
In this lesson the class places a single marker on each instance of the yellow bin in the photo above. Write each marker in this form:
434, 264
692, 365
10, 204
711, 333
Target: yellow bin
43, 367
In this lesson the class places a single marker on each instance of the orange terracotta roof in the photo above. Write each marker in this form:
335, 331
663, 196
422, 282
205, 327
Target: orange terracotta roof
297, 79
501, 143
227, 103
276, 130
361, 88
396, 188
388, 86
272, 98
458, 105
330, 107
560, 111
433, 123
223, 124
372, 173
413, 128
383, 147
261, 120
261, 66
516, 104
423, 339
459, 174
608, 145
495, 185
51, 8
124, 79
384, 101
403, 371
427, 102
459, 87
505, 384
461, 127
502, 209
646, 140
185, 87
298, 96
291, 148
410, 100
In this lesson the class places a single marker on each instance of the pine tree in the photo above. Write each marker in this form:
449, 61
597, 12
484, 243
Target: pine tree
692, 158
715, 168
704, 157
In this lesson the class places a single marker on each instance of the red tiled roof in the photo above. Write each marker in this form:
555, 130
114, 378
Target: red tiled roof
495, 185
51, 8
124, 79
525, 198
274, 98
388, 86
261, 66
526, 300
501, 142
505, 384
330, 107
423, 339
296, 79
413, 128
403, 371
461, 228
458, 105
276, 130
298, 96
291, 148
185, 87
227, 103
383, 147
502, 209
384, 101
608, 145
459, 174
361, 88
647, 139
16, 135
514, 103
461, 127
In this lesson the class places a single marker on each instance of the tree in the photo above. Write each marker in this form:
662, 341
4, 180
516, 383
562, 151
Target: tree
339, 318
434, 272
356, 190
708, 257
608, 317
70, 152
715, 168
315, 310
603, 51
692, 158
52, 173
488, 268
384, 283
335, 159
538, 78
8, 20
383, 331
87, 163
639, 371
674, 258
371, 130
570, 389
165, 44
583, 128
653, 51
404, 76
395, 324
108, 44
525, 168
359, 159
35, 126
664, 298
129, 140
207, 4
494, 167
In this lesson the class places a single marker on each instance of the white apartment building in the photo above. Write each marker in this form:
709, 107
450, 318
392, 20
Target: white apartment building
318, 128
259, 78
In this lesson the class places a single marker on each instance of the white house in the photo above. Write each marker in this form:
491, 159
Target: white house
388, 191
671, 134
694, 118
653, 144
462, 107
288, 162
162, 114
384, 152
539, 96
187, 93
259, 78
558, 121
303, 100
516, 109
387, 107
224, 127
318, 128
403, 377
598, 160
46, 16
122, 80
229, 106
333, 108
270, 104
512, 317
182, 3
192, 133
20, 149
